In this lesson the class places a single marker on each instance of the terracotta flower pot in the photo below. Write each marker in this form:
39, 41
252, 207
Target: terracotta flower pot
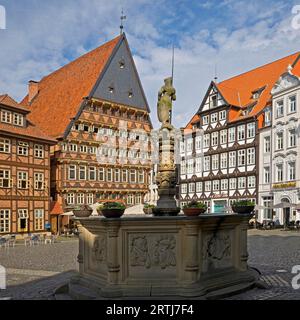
112, 213
82, 213
193, 212
243, 209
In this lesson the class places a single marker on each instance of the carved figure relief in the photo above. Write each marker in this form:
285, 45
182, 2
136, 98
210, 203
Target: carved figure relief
217, 247
139, 255
99, 248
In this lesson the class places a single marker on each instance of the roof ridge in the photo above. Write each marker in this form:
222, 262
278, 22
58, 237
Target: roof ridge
80, 57
262, 66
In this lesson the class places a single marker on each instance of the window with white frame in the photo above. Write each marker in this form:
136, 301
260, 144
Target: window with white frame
224, 184
70, 198
183, 167
189, 145
241, 132
292, 171
192, 187
267, 144
207, 186
267, 201
279, 109
82, 172
90, 198
124, 176
266, 174
23, 182
109, 175
101, 172
206, 163
92, 174
5, 145
232, 159
72, 172
39, 181
279, 141
198, 186
251, 182
241, 157
232, 183
117, 175
215, 162
292, 104
73, 147
182, 146
213, 117
251, 130
216, 185
83, 149
206, 141
5, 116
292, 138
251, 156
5, 181
198, 143
39, 219
133, 176
23, 148
268, 117
18, 119
39, 151
214, 139
279, 172
190, 166
198, 165
80, 198
5, 220
214, 101
223, 137
141, 176
231, 134
242, 182
184, 188
205, 120
224, 161
222, 115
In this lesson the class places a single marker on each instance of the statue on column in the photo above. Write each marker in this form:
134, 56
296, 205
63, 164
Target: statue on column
166, 96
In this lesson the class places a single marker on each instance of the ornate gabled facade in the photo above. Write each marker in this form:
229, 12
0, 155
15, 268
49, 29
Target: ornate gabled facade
97, 110
280, 150
24, 171
220, 150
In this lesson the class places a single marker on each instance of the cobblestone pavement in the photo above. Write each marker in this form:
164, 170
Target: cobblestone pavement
35, 272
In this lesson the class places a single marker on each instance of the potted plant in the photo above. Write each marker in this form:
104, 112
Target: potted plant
243, 206
194, 208
83, 211
113, 209
148, 208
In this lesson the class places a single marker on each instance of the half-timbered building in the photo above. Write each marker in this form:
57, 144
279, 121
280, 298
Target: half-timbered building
96, 109
24, 171
220, 154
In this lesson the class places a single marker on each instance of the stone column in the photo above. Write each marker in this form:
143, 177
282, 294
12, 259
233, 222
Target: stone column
112, 252
191, 251
80, 257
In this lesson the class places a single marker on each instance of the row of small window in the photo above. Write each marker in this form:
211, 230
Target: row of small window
214, 117
106, 174
16, 119
131, 135
292, 106
219, 161
22, 180
6, 219
223, 137
279, 141
279, 172
89, 198
22, 148
217, 185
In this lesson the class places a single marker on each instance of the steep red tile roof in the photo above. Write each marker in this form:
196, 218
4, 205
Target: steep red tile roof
61, 93
6, 100
238, 90
56, 208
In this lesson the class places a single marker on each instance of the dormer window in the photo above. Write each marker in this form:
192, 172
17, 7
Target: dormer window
5, 116
214, 101
130, 94
257, 93
111, 89
122, 64
18, 119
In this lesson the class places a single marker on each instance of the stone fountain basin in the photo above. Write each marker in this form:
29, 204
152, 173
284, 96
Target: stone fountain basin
144, 256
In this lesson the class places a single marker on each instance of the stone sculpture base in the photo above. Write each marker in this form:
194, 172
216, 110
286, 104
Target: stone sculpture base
155, 257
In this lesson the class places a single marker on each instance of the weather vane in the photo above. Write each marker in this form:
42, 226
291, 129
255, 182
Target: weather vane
122, 20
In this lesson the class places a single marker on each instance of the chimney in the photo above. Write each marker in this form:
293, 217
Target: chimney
33, 90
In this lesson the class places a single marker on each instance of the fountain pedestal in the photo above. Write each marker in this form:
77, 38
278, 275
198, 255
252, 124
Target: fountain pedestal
163, 257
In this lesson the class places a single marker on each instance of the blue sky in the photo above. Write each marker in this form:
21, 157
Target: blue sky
231, 36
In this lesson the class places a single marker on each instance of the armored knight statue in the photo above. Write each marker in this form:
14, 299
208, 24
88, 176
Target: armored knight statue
166, 96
